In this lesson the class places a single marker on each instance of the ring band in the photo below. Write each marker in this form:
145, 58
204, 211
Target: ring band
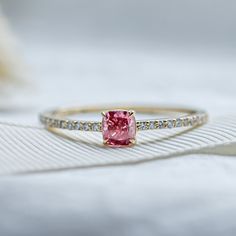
119, 125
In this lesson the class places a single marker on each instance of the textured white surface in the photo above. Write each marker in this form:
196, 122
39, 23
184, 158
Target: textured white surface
32, 149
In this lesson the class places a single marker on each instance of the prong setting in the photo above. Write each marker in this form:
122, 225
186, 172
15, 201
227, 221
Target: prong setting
119, 128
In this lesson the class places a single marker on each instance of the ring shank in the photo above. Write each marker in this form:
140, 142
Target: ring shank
189, 117
140, 109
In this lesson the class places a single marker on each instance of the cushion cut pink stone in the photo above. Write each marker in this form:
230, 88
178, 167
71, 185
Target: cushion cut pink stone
119, 128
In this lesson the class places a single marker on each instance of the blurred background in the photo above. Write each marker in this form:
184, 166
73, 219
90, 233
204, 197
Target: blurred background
88, 52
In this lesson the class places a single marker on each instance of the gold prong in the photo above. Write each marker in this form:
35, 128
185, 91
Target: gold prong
103, 113
105, 141
131, 112
133, 141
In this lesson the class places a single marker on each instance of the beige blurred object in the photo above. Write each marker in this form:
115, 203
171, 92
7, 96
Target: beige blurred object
11, 65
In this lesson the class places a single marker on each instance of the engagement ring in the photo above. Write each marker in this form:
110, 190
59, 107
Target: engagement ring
119, 125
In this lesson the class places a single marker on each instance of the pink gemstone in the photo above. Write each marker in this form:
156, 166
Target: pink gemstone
118, 128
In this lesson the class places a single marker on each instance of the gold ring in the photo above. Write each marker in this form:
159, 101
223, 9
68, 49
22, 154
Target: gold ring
119, 125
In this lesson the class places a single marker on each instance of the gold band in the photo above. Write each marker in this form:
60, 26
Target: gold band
189, 118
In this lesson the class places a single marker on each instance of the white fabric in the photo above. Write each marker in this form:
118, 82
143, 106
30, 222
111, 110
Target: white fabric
184, 195
28, 149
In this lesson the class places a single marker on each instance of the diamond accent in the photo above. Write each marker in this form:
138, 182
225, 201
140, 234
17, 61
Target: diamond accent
86, 126
185, 122
143, 125
70, 126
152, 125
170, 124
96, 127
161, 124
178, 123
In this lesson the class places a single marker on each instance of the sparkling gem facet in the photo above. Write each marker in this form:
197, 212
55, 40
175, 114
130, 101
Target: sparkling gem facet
143, 125
77, 126
86, 126
152, 125
118, 128
95, 127
178, 122
161, 124
170, 124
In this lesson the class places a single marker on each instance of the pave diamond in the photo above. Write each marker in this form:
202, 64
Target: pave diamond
70, 126
186, 122
64, 124
96, 127
119, 128
161, 124
86, 127
170, 124
77, 126
178, 123
142, 126
152, 125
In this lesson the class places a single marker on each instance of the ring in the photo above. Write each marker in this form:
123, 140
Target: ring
119, 125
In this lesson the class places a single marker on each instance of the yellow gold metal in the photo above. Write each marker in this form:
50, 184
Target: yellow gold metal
131, 112
103, 113
133, 141
179, 117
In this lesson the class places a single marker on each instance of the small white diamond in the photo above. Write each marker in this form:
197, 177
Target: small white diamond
142, 126
186, 122
160, 125
170, 124
86, 127
152, 125
191, 121
197, 120
194, 120
63, 124
178, 123
70, 126
77, 126
96, 127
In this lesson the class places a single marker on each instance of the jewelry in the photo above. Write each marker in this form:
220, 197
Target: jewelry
119, 126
